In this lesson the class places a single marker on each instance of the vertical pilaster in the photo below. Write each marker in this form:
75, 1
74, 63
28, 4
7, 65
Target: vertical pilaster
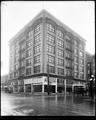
32, 90
65, 85
56, 86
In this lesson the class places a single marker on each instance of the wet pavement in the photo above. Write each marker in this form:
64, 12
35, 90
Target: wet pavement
44, 105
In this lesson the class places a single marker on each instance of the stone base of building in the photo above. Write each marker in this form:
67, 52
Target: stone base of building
40, 84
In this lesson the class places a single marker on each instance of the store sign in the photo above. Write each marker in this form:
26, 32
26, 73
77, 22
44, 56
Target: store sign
33, 80
52, 80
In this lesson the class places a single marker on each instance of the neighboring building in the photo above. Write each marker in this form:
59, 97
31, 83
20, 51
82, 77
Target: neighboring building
43, 42
93, 66
90, 66
4, 82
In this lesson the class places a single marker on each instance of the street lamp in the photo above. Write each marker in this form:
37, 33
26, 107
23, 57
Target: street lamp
48, 78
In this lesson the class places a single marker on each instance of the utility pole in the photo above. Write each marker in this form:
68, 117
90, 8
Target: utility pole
48, 78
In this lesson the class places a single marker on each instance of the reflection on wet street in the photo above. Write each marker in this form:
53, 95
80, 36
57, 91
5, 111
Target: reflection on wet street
43, 105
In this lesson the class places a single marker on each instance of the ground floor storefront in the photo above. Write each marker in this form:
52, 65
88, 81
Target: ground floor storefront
40, 84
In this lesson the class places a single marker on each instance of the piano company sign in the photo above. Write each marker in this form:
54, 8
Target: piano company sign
33, 80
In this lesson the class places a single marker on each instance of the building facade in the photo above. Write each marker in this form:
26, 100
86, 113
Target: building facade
90, 66
46, 47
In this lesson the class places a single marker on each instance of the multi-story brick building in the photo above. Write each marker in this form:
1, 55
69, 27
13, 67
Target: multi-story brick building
45, 45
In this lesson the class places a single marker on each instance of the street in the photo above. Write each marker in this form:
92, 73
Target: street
44, 105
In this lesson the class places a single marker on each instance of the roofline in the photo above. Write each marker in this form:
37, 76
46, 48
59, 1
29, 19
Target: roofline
47, 14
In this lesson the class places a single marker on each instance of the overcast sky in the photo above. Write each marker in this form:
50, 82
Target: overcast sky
79, 16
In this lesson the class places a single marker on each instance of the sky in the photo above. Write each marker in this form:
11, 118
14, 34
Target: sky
79, 16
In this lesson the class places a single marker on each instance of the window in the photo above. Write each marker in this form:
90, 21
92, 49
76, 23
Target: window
81, 76
76, 51
68, 45
50, 38
28, 62
22, 46
68, 72
76, 68
37, 28
60, 62
37, 49
16, 66
22, 63
60, 43
82, 61
28, 43
23, 55
37, 69
59, 34
22, 70
37, 38
76, 74
28, 71
81, 69
76, 43
76, 59
37, 59
30, 33
60, 71
81, 46
51, 69
68, 63
28, 53
50, 28
60, 53
68, 55
50, 49
16, 74
50, 59
81, 54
